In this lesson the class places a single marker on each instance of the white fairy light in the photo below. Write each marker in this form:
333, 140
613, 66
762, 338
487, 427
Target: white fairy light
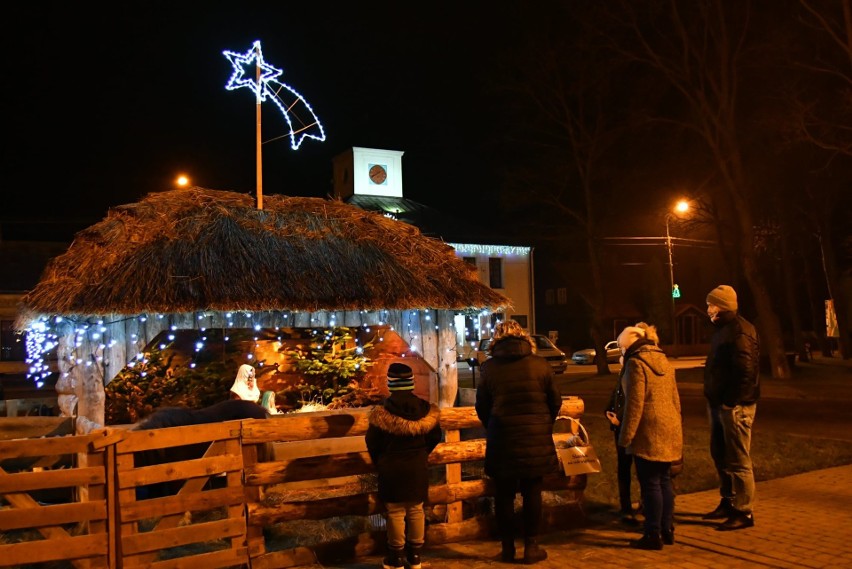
490, 250
267, 86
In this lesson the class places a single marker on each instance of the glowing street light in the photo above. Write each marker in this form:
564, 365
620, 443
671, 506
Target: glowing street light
182, 181
681, 207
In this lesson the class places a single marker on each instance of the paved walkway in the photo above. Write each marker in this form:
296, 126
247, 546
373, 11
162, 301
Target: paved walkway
801, 521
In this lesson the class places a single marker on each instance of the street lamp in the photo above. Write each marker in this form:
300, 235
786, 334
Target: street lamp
182, 181
681, 207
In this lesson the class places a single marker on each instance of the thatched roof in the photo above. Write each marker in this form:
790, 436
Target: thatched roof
200, 249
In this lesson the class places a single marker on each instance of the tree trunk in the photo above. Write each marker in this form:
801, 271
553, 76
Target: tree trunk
835, 292
789, 290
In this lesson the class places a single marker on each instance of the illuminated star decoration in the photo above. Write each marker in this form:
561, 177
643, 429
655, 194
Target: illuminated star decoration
295, 109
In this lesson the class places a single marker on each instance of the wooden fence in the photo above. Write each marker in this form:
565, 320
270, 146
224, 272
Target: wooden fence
74, 472
248, 476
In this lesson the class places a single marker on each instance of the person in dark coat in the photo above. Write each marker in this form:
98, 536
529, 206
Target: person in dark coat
401, 434
732, 388
615, 415
517, 404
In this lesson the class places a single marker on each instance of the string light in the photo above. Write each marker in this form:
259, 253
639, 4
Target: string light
490, 250
268, 86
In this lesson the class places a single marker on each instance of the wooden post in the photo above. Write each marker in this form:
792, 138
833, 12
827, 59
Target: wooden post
448, 373
66, 385
454, 509
258, 142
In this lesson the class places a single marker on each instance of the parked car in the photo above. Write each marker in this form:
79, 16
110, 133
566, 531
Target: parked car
543, 347
587, 356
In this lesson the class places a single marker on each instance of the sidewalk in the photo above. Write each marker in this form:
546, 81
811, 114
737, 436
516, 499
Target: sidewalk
801, 521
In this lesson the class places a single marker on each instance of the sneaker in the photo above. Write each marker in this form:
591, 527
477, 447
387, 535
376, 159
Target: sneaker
413, 556
724, 510
667, 537
738, 520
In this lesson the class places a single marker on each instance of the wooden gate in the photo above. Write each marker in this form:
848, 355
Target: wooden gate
180, 497
56, 490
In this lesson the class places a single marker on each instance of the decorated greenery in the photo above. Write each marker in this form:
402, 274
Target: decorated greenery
332, 364
153, 382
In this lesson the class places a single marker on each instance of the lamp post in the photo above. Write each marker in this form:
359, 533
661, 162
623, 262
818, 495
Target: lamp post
681, 207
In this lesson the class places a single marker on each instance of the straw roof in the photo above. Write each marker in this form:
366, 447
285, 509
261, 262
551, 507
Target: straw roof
200, 249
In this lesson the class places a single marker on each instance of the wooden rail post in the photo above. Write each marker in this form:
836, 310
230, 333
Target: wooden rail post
454, 470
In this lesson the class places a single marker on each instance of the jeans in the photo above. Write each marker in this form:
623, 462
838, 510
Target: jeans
504, 505
406, 522
730, 447
655, 482
625, 464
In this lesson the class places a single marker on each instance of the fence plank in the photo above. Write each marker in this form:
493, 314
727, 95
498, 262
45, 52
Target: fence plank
174, 537
180, 503
12, 428
297, 556
56, 549
305, 426
19, 448
221, 558
135, 441
63, 478
358, 505
168, 471
320, 447
40, 516
309, 468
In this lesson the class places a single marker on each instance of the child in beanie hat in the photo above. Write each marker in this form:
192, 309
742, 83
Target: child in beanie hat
723, 296
400, 378
401, 434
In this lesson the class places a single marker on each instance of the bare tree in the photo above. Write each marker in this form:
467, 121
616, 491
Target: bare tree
821, 115
698, 48
560, 121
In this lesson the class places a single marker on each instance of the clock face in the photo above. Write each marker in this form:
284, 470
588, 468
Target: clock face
378, 174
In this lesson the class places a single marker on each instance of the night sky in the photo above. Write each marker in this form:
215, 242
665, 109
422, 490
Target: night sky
103, 106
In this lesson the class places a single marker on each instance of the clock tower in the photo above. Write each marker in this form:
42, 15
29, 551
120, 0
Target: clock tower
368, 172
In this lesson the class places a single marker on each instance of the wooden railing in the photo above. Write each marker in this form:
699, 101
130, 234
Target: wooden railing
75, 472
249, 476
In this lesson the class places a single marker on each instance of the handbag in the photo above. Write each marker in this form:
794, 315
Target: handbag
576, 454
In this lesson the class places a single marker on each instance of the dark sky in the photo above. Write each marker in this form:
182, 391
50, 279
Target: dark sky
104, 105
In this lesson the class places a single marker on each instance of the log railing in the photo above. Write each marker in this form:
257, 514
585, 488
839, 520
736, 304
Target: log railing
327, 450
251, 475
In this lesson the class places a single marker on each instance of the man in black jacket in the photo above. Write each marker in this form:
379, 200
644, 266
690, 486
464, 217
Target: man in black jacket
732, 388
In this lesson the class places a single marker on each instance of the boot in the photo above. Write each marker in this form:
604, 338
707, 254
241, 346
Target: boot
737, 520
413, 556
507, 555
395, 559
651, 541
724, 510
532, 552
668, 536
